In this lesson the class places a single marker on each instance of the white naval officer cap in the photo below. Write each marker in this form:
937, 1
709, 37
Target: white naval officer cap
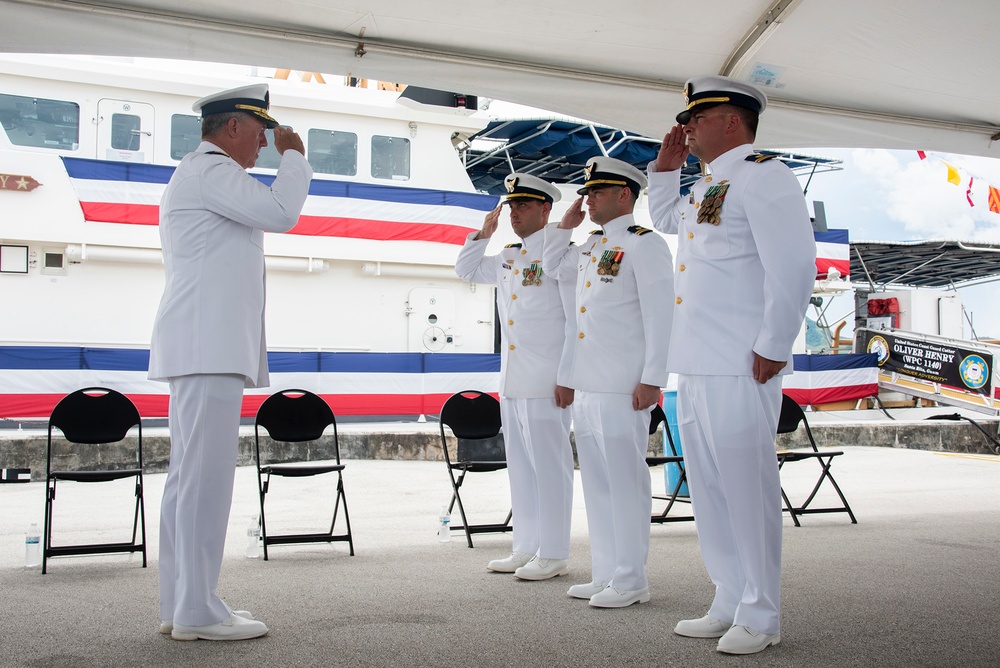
710, 91
602, 172
526, 186
253, 99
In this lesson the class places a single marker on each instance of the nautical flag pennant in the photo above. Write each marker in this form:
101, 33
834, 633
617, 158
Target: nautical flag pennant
953, 175
968, 193
128, 193
994, 200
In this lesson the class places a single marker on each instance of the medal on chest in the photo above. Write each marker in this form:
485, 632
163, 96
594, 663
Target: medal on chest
710, 208
532, 274
610, 262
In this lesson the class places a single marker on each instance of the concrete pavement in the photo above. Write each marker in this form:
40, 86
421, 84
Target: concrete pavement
914, 583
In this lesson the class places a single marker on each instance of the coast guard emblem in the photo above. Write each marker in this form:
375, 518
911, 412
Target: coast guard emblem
510, 183
710, 208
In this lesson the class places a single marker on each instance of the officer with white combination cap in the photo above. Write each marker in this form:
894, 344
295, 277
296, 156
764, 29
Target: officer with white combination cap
745, 271
624, 300
536, 315
208, 342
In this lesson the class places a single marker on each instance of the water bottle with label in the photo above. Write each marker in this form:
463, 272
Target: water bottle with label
32, 547
444, 525
253, 539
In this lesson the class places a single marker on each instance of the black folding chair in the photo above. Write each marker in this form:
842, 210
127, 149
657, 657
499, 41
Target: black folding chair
101, 418
788, 421
657, 418
474, 418
298, 416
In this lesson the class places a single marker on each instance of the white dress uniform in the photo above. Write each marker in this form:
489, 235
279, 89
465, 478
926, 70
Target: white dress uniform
536, 313
745, 270
624, 299
208, 343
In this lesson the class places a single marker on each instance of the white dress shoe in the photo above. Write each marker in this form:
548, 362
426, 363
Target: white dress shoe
542, 569
619, 598
703, 627
232, 627
744, 640
586, 591
511, 563
166, 625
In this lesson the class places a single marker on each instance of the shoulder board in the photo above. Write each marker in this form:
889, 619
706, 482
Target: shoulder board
216, 153
759, 157
599, 233
512, 246
638, 229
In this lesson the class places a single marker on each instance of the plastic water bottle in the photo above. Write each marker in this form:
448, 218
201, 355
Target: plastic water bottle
444, 526
32, 547
253, 539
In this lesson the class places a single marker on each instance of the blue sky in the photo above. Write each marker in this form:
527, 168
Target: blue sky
883, 195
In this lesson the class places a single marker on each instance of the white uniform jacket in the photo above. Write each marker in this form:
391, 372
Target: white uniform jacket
745, 274
536, 314
624, 301
212, 218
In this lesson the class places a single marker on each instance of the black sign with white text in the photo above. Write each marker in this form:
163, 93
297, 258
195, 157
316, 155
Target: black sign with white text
931, 361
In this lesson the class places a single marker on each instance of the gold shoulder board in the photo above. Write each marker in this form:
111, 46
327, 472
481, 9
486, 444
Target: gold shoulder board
759, 157
512, 246
638, 229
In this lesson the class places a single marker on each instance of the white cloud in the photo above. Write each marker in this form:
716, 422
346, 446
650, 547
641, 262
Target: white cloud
917, 195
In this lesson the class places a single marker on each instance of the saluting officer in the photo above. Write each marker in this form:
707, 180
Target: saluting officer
208, 341
624, 299
536, 312
746, 265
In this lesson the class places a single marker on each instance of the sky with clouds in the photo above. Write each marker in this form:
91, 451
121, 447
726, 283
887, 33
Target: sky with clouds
883, 195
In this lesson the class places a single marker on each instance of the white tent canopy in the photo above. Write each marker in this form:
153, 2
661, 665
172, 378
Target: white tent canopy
904, 74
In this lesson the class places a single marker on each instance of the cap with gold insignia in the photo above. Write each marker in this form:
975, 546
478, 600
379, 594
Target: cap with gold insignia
526, 186
709, 91
253, 99
602, 172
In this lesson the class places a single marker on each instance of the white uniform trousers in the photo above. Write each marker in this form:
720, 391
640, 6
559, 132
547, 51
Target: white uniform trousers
540, 469
611, 443
204, 418
727, 427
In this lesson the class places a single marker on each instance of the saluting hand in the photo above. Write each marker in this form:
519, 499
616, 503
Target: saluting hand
490, 223
573, 216
286, 138
673, 151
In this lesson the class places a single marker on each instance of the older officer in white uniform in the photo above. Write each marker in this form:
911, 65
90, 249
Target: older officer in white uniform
208, 342
745, 269
535, 310
624, 299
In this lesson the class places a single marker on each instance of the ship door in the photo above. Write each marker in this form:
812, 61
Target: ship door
431, 314
124, 131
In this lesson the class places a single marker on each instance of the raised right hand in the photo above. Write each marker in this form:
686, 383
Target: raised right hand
490, 223
673, 151
574, 215
286, 138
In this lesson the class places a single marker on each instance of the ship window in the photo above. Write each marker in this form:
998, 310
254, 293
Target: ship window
391, 158
125, 132
269, 158
35, 121
185, 135
333, 152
